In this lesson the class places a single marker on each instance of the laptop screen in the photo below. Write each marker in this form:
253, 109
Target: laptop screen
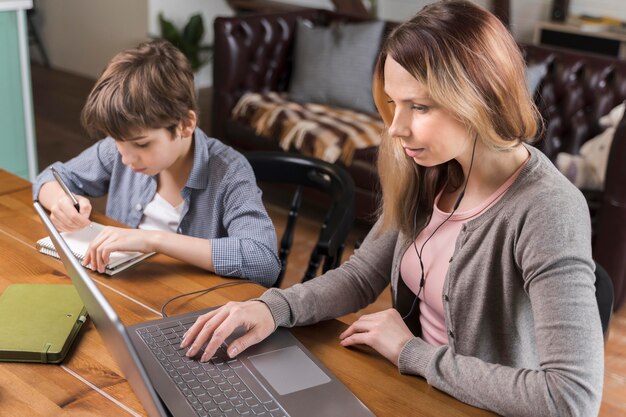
112, 331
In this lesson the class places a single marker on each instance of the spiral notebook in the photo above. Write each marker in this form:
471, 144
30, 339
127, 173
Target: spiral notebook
78, 242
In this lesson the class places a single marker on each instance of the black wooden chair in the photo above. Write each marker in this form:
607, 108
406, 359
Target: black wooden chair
305, 172
604, 297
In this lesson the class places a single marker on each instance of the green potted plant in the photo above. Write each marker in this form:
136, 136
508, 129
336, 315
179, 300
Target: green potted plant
189, 40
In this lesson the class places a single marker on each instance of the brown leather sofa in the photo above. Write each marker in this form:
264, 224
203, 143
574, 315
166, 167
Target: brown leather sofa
253, 53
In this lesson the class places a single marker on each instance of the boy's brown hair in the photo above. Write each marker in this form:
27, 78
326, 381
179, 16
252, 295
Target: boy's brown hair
147, 87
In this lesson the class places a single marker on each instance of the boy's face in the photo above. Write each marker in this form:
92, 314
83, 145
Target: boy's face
151, 151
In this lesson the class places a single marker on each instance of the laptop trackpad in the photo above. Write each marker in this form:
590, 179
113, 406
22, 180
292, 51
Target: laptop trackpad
289, 370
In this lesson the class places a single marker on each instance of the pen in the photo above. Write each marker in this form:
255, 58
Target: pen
64, 187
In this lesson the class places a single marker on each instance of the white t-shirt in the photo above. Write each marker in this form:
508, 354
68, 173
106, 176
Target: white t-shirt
159, 214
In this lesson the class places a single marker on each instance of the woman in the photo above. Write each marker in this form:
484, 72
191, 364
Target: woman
486, 246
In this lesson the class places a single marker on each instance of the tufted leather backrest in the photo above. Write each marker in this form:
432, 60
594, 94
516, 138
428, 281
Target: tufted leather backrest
577, 90
254, 53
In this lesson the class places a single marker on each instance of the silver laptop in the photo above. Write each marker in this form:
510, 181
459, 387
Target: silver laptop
275, 378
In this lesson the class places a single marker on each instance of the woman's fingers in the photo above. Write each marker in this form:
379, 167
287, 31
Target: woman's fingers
191, 334
206, 332
356, 327
213, 328
252, 337
225, 329
384, 331
364, 338
363, 324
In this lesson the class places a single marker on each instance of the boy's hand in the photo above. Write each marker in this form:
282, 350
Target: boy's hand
113, 239
65, 217
215, 326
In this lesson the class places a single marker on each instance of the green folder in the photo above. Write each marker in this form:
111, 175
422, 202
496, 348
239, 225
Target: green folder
39, 322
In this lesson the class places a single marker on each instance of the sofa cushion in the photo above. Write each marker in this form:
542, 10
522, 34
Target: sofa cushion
334, 65
321, 131
534, 76
588, 169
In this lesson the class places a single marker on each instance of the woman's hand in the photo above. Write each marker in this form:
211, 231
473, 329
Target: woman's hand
65, 217
113, 239
215, 326
384, 331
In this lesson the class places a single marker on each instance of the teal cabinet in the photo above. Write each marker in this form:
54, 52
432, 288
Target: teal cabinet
17, 139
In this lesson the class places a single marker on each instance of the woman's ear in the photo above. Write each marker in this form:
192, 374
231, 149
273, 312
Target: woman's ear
188, 124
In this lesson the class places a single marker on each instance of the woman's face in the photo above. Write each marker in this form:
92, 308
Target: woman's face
429, 134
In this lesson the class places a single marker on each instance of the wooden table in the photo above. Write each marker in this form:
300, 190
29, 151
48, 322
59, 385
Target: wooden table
10, 183
90, 383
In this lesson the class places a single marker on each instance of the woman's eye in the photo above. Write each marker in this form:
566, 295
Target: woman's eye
420, 108
142, 145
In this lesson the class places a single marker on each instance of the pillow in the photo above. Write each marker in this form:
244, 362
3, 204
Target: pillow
335, 65
588, 170
534, 76
612, 118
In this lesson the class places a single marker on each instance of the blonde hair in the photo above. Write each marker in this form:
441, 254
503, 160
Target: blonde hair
470, 66
147, 87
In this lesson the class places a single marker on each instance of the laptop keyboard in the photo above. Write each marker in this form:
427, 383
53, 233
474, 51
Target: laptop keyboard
220, 387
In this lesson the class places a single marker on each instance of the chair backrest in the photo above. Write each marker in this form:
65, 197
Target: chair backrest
330, 179
604, 297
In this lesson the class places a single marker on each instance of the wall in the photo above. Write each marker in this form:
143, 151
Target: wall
318, 4
17, 150
612, 8
525, 14
178, 12
81, 36
400, 10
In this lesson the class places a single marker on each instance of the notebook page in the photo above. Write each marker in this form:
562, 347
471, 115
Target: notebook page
78, 242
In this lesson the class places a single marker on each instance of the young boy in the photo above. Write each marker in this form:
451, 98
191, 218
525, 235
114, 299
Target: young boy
185, 195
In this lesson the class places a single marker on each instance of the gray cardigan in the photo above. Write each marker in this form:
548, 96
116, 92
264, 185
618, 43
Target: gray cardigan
524, 333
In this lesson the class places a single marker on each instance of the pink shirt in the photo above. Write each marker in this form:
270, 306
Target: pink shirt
436, 257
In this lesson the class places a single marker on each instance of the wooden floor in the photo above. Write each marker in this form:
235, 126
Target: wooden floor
58, 99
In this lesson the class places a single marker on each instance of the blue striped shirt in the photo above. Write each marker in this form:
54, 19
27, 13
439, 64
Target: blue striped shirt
222, 202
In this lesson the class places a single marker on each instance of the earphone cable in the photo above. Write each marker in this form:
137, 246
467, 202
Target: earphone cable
419, 253
206, 290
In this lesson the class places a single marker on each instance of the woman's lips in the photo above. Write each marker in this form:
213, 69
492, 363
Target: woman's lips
413, 152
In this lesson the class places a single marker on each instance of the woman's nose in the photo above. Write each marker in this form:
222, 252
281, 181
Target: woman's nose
400, 126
